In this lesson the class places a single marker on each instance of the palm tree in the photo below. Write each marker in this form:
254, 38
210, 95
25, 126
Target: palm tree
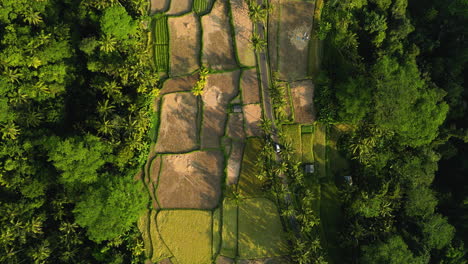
258, 43
31, 17
12, 75
105, 108
257, 13
9, 130
106, 128
108, 44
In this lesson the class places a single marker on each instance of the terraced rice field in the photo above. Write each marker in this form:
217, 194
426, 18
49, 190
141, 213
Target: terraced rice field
201, 7
161, 43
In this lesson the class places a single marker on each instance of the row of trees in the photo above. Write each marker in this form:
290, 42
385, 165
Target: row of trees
380, 77
76, 87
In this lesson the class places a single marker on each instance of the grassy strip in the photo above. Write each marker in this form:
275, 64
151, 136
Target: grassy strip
307, 147
188, 234
216, 232
261, 233
319, 148
249, 185
338, 166
229, 232
330, 216
144, 227
160, 251
292, 134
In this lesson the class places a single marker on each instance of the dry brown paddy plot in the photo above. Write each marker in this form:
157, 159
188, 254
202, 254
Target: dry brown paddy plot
178, 128
243, 28
235, 126
303, 98
218, 51
234, 162
179, 84
179, 7
249, 87
252, 116
274, 260
219, 90
184, 34
295, 29
159, 5
191, 180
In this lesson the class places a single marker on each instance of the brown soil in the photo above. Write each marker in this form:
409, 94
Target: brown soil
226, 143
179, 7
218, 50
249, 86
159, 5
296, 20
179, 84
302, 93
252, 116
234, 162
184, 33
224, 260
235, 126
243, 28
191, 180
178, 128
219, 90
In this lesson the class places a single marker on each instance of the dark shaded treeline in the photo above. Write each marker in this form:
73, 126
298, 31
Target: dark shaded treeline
76, 86
395, 70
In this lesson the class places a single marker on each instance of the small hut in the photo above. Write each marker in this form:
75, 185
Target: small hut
348, 180
309, 168
236, 108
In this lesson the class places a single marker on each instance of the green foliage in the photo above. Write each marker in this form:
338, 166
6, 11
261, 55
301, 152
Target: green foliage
405, 104
392, 251
197, 90
78, 160
115, 21
421, 202
354, 98
437, 232
201, 6
111, 207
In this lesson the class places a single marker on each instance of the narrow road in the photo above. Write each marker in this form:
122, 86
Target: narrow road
268, 109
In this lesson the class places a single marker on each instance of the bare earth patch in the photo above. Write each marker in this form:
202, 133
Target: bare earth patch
191, 180
234, 162
178, 128
179, 7
235, 126
252, 116
243, 28
159, 5
295, 30
184, 33
179, 84
218, 50
249, 87
219, 90
302, 93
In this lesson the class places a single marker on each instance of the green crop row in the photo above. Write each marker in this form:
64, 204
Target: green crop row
200, 6
161, 30
161, 57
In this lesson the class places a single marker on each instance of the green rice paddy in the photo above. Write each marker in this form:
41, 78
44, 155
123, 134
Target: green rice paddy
261, 234
201, 6
293, 135
229, 233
